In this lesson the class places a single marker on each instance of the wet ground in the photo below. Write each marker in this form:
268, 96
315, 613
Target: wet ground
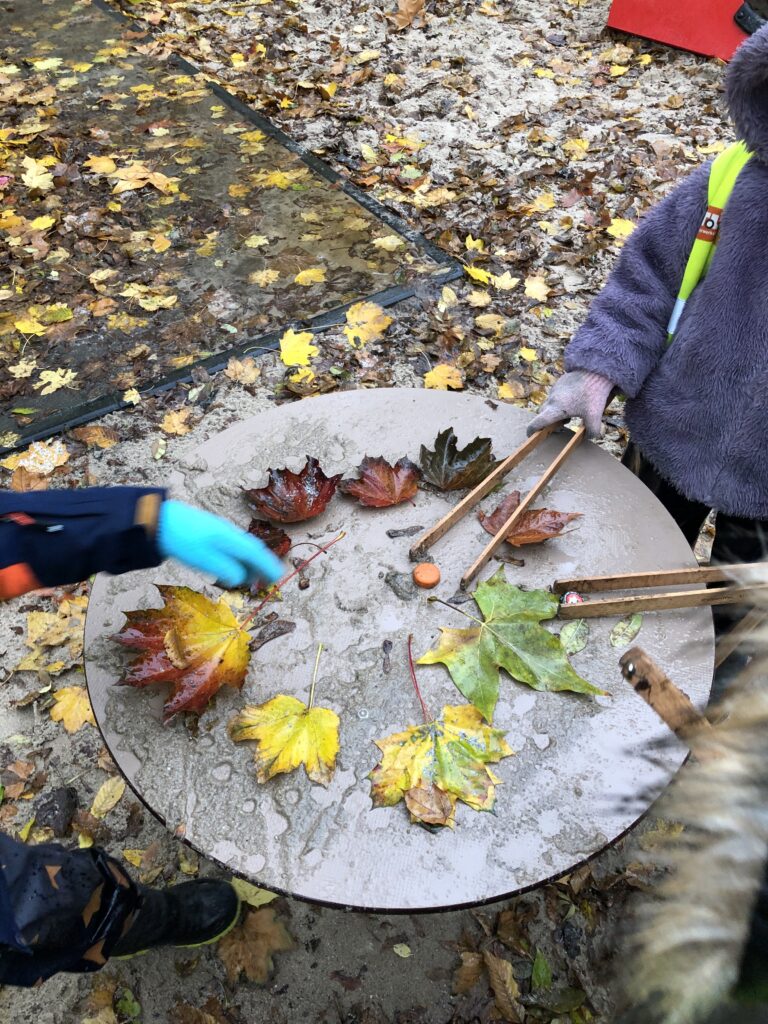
163, 226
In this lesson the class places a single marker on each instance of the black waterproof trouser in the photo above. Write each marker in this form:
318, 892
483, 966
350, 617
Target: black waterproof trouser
60, 910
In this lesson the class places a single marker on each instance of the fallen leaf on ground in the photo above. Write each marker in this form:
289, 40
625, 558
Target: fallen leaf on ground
193, 643
296, 349
250, 946
252, 894
444, 376
534, 526
108, 796
407, 12
620, 228
288, 734
366, 321
41, 458
536, 288
242, 371
96, 437
467, 975
510, 637
381, 484
177, 422
72, 708
277, 540
505, 989
624, 632
293, 497
55, 629
449, 756
313, 275
452, 469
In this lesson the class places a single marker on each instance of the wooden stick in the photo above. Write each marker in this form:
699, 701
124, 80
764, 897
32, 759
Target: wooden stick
728, 643
668, 701
659, 578
659, 602
475, 496
495, 543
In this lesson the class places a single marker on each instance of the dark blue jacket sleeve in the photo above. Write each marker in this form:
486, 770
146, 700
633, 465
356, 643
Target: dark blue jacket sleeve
49, 538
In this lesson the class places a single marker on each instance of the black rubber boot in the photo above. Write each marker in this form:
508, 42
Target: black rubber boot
190, 914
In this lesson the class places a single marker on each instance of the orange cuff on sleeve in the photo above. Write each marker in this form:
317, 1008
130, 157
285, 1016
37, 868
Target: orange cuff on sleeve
17, 579
148, 512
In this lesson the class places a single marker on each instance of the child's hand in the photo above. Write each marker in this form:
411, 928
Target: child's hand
578, 393
214, 545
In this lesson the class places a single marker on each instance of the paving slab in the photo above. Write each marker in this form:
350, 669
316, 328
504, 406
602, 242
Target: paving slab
581, 775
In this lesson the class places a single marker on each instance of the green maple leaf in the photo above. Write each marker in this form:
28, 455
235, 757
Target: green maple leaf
511, 637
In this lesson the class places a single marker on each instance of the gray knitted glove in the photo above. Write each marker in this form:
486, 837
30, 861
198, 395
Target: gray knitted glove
578, 393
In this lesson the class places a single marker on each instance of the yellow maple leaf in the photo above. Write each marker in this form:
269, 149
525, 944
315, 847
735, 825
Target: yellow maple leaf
72, 708
477, 274
24, 368
474, 243
263, 278
576, 148
365, 56
280, 179
42, 223
53, 380
544, 201
536, 288
529, 354
491, 322
511, 391
29, 326
255, 241
505, 282
36, 175
131, 396
288, 734
296, 348
304, 375
161, 243
100, 164
108, 796
434, 765
444, 376
177, 422
620, 227
238, 59
252, 894
313, 275
366, 321
617, 70
479, 299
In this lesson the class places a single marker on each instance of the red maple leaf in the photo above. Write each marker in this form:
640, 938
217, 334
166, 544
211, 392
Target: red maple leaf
381, 484
277, 540
293, 497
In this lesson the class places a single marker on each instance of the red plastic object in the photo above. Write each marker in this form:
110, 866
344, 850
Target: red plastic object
702, 26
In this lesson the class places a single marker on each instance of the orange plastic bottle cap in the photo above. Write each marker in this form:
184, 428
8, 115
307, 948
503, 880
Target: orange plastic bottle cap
426, 575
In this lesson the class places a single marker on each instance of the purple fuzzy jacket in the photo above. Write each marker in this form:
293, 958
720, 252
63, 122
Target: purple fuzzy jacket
698, 410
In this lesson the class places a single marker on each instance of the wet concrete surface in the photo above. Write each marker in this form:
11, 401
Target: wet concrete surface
581, 775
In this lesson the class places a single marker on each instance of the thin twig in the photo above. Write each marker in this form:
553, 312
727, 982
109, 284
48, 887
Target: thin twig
314, 677
286, 579
424, 710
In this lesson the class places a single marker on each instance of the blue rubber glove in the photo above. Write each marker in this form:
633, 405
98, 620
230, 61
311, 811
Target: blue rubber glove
214, 545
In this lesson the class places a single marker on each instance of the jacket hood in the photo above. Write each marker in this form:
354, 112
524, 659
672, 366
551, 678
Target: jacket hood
746, 88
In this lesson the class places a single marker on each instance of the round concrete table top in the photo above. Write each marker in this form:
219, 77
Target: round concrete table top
581, 775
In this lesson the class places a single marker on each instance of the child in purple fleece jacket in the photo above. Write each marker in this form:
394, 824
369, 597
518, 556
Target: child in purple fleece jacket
697, 410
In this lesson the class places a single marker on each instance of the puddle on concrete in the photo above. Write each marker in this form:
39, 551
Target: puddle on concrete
209, 258
581, 775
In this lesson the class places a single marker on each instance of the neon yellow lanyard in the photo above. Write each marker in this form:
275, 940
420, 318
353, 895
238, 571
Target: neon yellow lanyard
722, 177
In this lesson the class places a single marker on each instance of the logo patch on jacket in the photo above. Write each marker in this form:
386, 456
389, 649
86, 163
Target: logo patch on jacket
710, 225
